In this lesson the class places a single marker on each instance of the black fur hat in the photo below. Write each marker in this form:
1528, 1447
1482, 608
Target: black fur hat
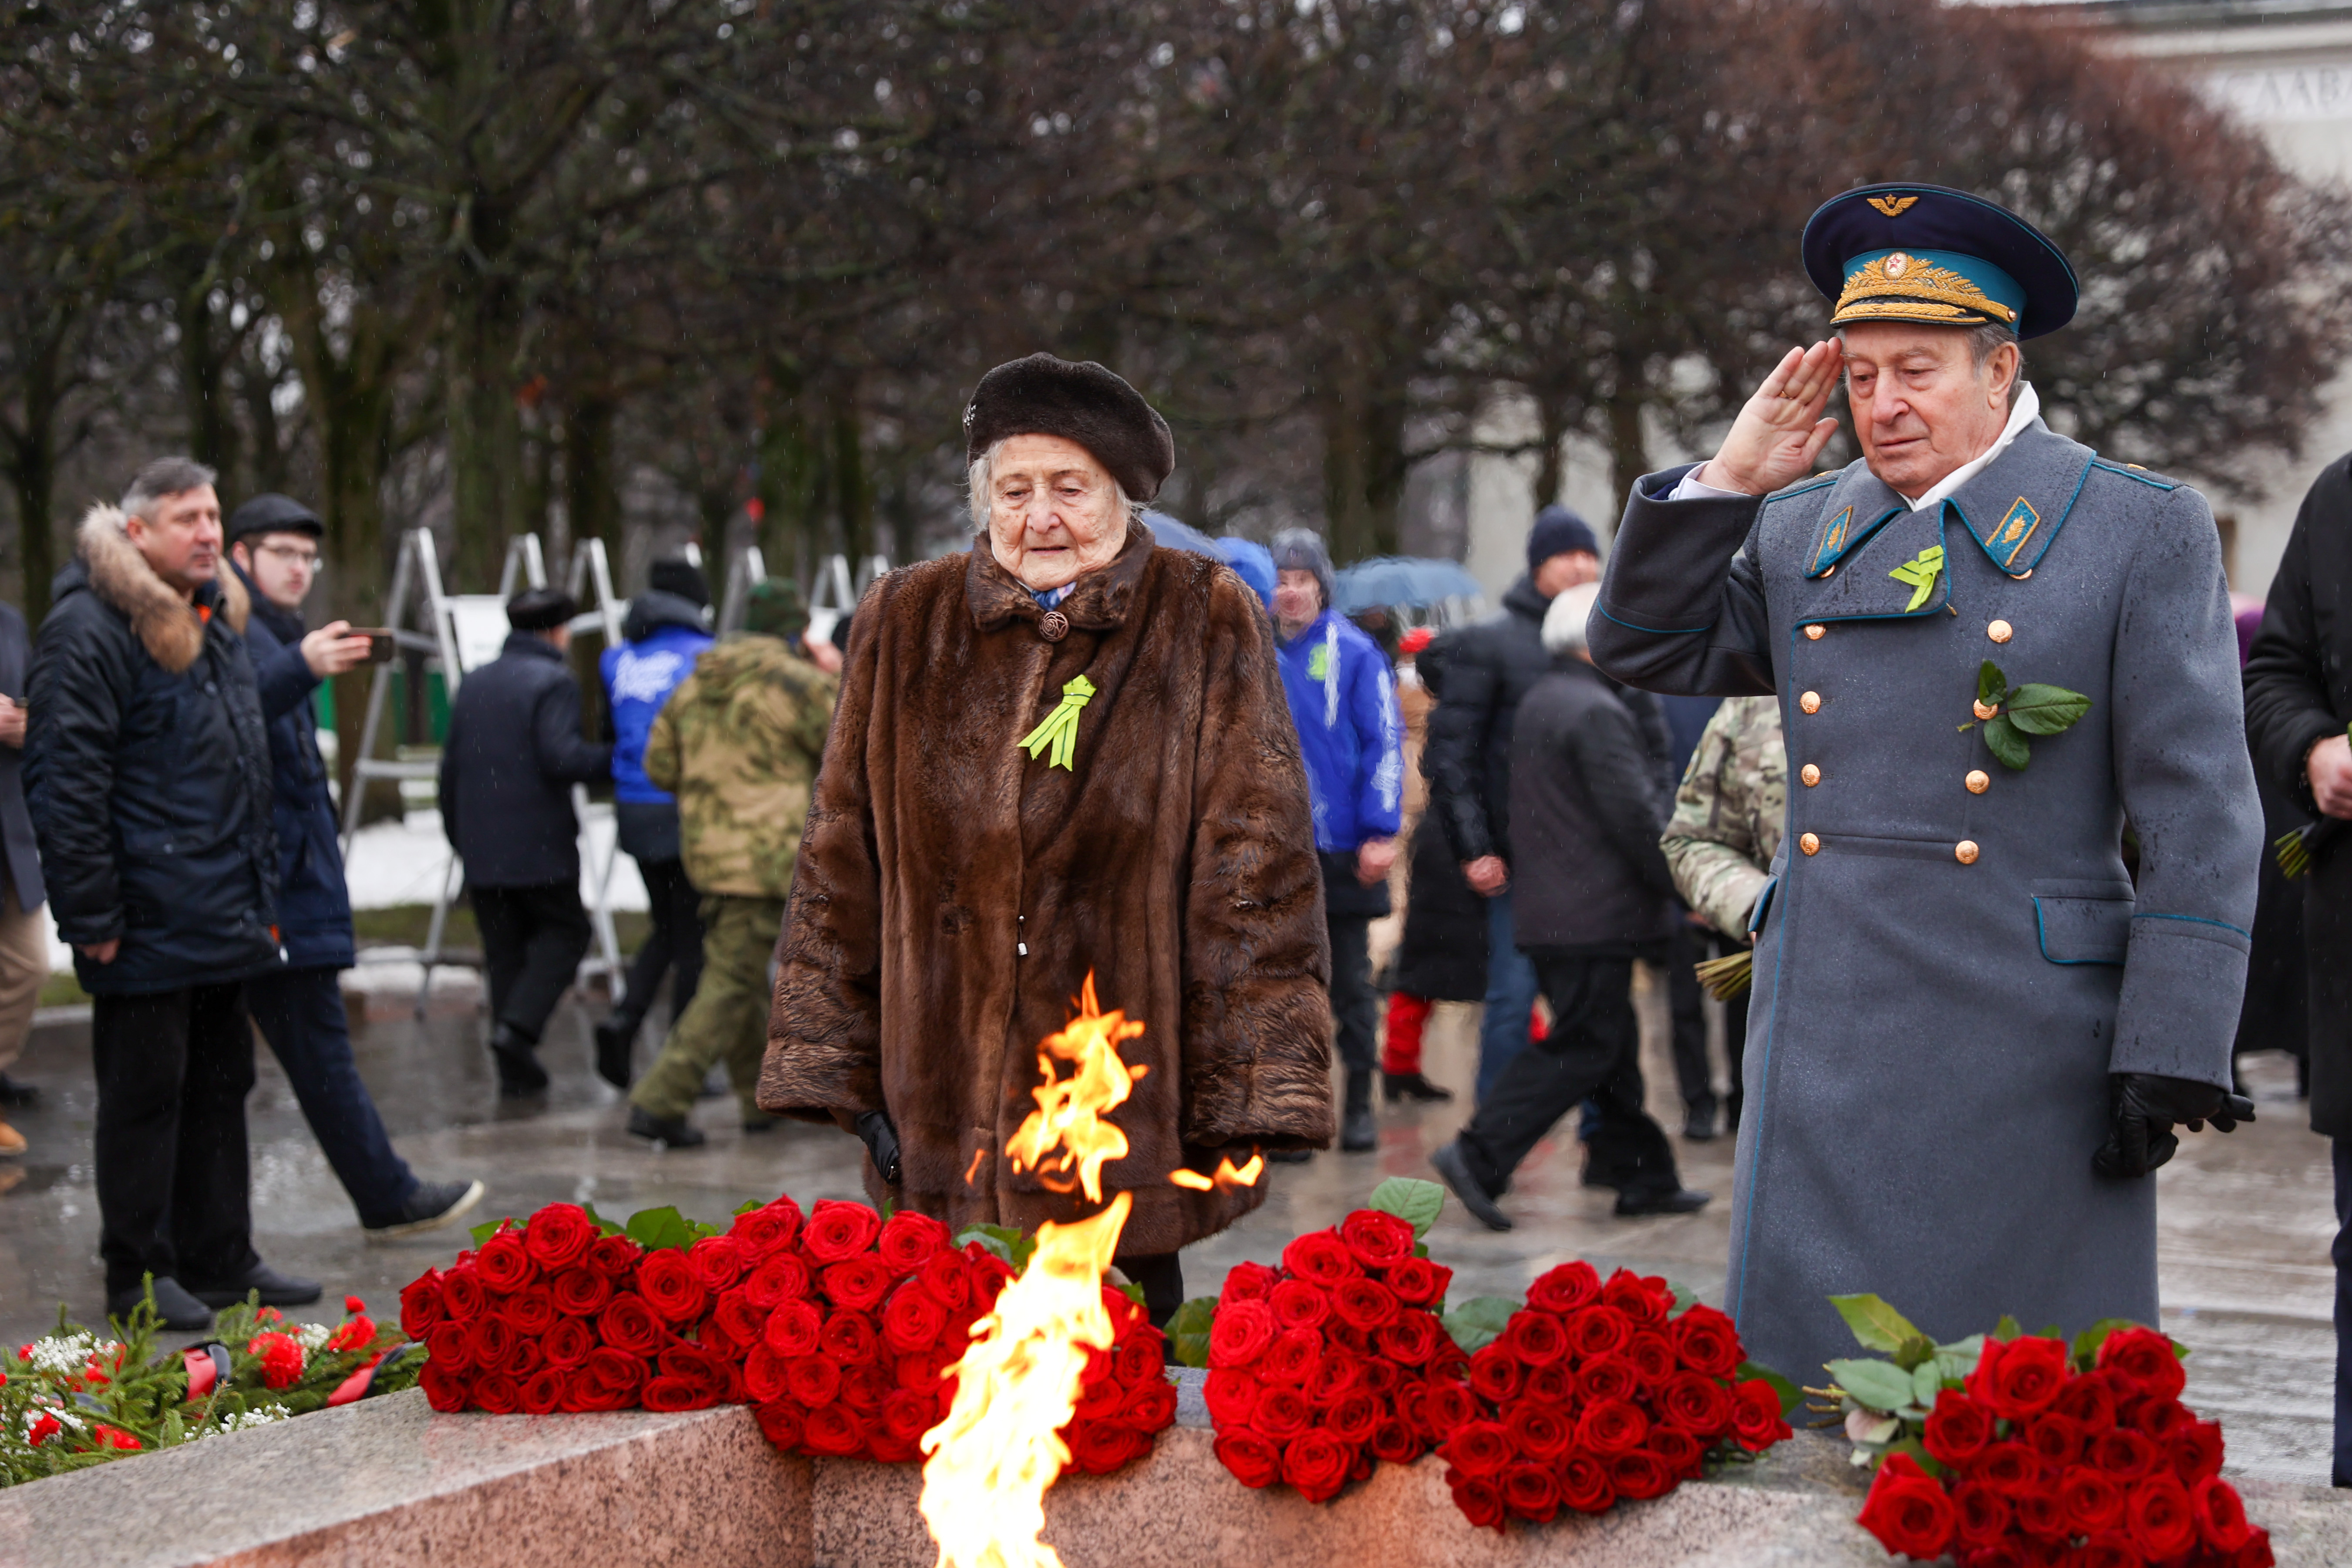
1042, 395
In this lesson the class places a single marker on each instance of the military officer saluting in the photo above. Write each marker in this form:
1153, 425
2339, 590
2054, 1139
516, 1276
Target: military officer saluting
1995, 650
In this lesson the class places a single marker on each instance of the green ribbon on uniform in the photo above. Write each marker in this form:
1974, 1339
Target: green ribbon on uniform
1920, 571
1060, 729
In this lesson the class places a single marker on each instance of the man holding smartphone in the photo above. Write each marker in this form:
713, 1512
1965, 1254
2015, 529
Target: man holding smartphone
274, 548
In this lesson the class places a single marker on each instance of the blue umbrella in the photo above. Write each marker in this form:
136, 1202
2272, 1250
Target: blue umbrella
1402, 582
1245, 556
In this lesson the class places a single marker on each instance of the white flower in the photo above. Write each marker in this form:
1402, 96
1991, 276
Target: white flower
62, 1355
313, 1336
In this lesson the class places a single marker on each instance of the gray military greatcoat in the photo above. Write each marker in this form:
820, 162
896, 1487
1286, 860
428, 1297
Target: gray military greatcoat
1952, 958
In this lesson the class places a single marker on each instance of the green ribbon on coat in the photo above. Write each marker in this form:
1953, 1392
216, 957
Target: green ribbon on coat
1921, 572
1060, 729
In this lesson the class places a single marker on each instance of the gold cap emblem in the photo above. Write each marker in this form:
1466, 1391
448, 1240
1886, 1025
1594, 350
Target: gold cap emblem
1892, 207
1905, 288
1895, 265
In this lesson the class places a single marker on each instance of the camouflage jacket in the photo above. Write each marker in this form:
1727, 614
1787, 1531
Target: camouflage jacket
1729, 813
739, 743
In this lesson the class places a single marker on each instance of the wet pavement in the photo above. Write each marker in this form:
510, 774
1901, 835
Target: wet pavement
2246, 1219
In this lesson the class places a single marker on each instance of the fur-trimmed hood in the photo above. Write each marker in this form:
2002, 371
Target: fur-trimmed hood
159, 617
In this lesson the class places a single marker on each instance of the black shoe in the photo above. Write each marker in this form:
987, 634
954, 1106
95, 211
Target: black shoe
1699, 1127
1661, 1200
764, 1124
174, 1308
615, 1039
1597, 1173
1412, 1086
670, 1132
18, 1095
276, 1290
1359, 1130
433, 1205
518, 1059
1456, 1173
1288, 1156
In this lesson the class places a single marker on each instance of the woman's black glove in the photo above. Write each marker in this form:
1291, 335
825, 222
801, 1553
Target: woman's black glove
881, 1141
2143, 1111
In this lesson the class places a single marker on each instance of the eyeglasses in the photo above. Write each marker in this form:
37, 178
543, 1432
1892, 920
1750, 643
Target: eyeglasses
293, 555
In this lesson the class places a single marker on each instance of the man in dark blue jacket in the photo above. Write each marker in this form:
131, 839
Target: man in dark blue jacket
147, 773
273, 549
514, 754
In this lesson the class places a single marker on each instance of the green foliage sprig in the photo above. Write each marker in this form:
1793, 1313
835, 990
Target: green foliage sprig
2034, 709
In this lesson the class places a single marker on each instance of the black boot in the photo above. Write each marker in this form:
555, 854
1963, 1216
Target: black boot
517, 1054
1358, 1130
1396, 1086
616, 1037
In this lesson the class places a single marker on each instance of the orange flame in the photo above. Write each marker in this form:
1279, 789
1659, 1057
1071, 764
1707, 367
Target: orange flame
1227, 1175
993, 1457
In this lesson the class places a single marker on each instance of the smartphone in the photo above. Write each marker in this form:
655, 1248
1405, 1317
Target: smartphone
382, 643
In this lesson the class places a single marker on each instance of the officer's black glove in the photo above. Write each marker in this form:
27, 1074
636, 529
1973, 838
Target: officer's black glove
881, 1141
2143, 1111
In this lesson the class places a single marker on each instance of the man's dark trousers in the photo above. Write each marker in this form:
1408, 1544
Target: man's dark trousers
1354, 1005
301, 1012
675, 944
1594, 1051
532, 942
2342, 1254
1693, 1074
173, 1069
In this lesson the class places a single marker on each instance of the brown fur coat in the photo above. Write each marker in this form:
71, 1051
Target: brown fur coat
1176, 862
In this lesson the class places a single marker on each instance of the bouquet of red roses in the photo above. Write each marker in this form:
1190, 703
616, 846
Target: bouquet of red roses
2014, 1451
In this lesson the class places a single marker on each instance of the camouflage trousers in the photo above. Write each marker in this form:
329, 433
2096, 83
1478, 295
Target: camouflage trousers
728, 1020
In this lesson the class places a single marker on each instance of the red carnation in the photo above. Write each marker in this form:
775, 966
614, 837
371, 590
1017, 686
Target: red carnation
628, 1324
1706, 1341
1479, 1498
1585, 1486
1282, 1413
1418, 1282
559, 1235
1411, 1340
1251, 1459
832, 1430
1566, 1289
1957, 1428
1598, 1331
908, 1240
1247, 1282
1538, 1432
1241, 1332
2122, 1453
1321, 1256
1292, 1358
2145, 1361
421, 1304
1652, 1356
1379, 1240
837, 1230
615, 1256
1645, 1299
581, 1292
1299, 1304
763, 1230
2221, 1515
2017, 1378
1909, 1513
530, 1311
1232, 1397
850, 1339
1694, 1404
1445, 1408
1395, 1441
282, 1358
1495, 1373
1756, 1415
779, 1423
1478, 1448
567, 1344
1536, 1339
2160, 1517
504, 1264
858, 1284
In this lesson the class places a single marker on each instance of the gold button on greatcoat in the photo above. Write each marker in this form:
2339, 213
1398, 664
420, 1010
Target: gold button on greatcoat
2000, 631
1810, 774
1815, 632
1978, 781
1965, 851
1811, 844
1811, 702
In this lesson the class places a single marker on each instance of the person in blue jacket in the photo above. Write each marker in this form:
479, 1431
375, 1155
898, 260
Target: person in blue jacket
1352, 735
666, 630
274, 550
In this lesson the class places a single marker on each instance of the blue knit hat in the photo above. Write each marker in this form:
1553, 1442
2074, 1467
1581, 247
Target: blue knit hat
1558, 531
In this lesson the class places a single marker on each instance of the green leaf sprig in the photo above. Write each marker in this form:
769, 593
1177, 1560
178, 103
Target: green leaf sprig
2011, 713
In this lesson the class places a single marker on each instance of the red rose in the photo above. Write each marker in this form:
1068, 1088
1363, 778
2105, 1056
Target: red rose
1538, 1432
581, 1292
1411, 1340
1152, 1408
542, 1392
1297, 1304
907, 1413
1352, 1417
1638, 1473
850, 1339
504, 1264
1141, 1362
1445, 1408
1682, 1453
717, 1261
1320, 1255
1566, 1289
908, 1240
792, 1328
1693, 1403
522, 1360
2039, 1512
1247, 1282
1756, 1415
1554, 1385
2256, 1552
1250, 1458
1316, 1464
1909, 1513
2145, 1361
1479, 1498
703, 1368
2157, 1417
2122, 1453
615, 1256
1418, 1282
1232, 1397
2055, 1441
493, 1340
865, 1386
2159, 1515
2196, 1451
559, 1235
1957, 1428
1607, 1377
1292, 1358
811, 1380
989, 1274
2009, 1469
944, 1276
462, 1297
1644, 1298
1612, 1426
1598, 1331
450, 1347
628, 1324
1348, 1337
677, 1394
1585, 1486
2020, 1377
1379, 1240
1282, 1413
1532, 1492
2221, 1515
1395, 1442
779, 1423
1706, 1341
420, 1304
567, 1344
1496, 1374
1536, 1339
530, 1311
913, 1319
764, 1374
837, 1230
496, 1394
780, 1277
2090, 1500
1098, 1448
1478, 1448
858, 1284
763, 1230
2089, 1403
1983, 1516
446, 1389
739, 1320
612, 1374
1335, 1374
1652, 1355
832, 1429
667, 1284
1241, 1332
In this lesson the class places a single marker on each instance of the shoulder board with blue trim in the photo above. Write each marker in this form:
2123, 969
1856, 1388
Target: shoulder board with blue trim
2134, 471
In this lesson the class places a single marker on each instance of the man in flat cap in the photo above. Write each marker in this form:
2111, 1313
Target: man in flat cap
1065, 753
1996, 652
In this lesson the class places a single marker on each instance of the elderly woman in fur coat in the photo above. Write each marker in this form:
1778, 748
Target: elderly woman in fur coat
970, 859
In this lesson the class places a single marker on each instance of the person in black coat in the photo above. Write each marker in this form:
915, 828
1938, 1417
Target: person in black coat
274, 550
1467, 758
1590, 893
147, 773
2298, 702
513, 752
24, 941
